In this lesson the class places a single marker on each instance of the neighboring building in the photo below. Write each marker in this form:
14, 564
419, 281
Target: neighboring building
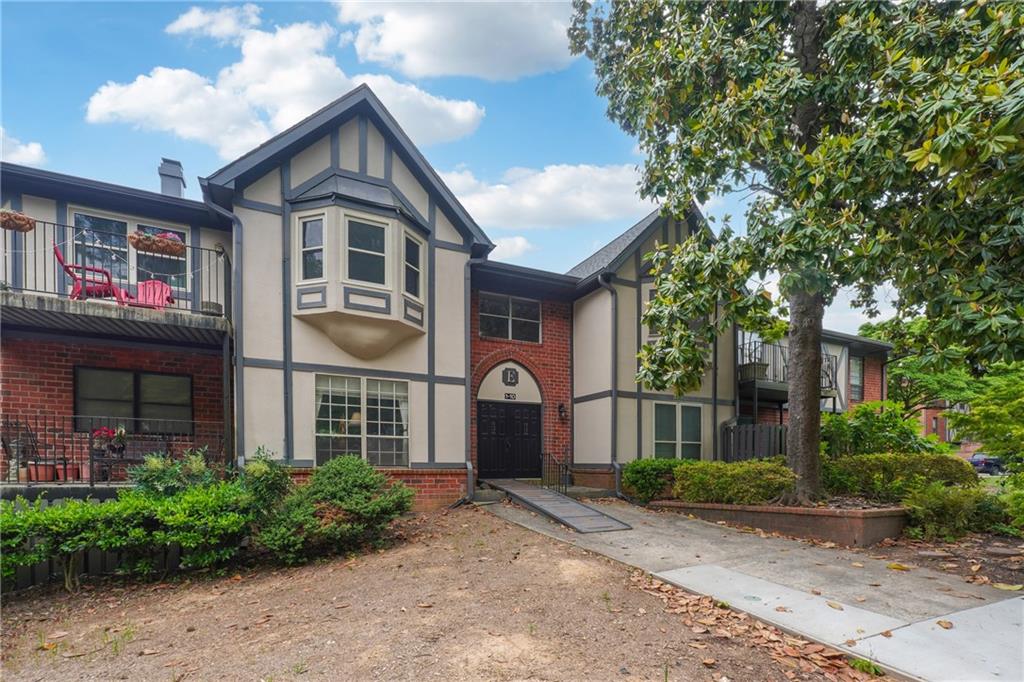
332, 285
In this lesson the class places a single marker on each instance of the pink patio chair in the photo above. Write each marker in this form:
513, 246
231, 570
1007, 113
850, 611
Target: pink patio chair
153, 294
91, 286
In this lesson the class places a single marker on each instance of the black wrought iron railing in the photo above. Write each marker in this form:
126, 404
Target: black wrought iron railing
554, 473
47, 448
150, 269
760, 361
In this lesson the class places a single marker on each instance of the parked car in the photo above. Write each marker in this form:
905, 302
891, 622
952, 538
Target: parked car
984, 464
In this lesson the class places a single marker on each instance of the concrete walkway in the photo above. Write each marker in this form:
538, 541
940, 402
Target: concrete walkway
757, 575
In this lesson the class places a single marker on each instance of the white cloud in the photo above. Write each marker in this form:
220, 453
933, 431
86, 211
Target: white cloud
281, 77
555, 196
495, 41
224, 23
14, 150
510, 248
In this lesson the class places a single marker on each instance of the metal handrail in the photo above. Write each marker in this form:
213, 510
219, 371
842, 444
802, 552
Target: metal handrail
554, 473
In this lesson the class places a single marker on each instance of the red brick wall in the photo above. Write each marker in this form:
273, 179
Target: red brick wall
37, 385
872, 381
37, 377
548, 362
435, 488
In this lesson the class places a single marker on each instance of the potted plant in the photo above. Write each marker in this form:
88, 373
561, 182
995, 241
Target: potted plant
16, 222
754, 371
111, 440
69, 471
162, 243
41, 471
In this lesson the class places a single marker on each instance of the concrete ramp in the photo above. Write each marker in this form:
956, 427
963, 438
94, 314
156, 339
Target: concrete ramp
563, 509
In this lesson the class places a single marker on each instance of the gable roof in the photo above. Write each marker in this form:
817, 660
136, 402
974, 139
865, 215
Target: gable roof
612, 254
361, 100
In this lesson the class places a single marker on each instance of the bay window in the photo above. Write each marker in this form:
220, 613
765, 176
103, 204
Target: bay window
312, 256
412, 270
367, 418
367, 249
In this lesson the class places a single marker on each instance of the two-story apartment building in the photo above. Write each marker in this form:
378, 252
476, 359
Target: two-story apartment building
329, 296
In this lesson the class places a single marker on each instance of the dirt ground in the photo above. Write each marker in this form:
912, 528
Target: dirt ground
460, 595
982, 558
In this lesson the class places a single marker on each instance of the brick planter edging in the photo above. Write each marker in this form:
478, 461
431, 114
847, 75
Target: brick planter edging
852, 527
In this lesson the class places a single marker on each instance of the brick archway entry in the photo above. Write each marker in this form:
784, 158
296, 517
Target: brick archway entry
548, 363
508, 422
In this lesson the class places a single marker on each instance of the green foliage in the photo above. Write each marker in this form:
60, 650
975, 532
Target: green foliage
873, 427
648, 478
16, 526
751, 482
267, 481
889, 477
208, 522
345, 504
865, 666
1013, 500
884, 143
996, 416
163, 475
943, 512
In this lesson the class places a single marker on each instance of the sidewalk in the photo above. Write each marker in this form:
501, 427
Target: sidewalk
798, 587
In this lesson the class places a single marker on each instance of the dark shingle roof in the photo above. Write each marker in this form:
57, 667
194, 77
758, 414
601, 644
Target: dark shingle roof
607, 255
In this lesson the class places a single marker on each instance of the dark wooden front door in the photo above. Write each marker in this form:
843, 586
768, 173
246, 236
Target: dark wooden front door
507, 440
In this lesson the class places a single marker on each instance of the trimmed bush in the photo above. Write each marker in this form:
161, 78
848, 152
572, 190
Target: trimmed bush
165, 476
346, 504
751, 482
208, 522
647, 479
942, 512
889, 477
267, 481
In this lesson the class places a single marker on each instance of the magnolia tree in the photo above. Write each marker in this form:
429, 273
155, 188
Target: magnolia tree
883, 142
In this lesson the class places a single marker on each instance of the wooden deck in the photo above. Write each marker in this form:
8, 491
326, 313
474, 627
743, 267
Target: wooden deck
563, 509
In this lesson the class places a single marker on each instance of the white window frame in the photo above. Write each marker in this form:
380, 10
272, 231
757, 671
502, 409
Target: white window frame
539, 320
133, 223
859, 359
406, 234
364, 413
678, 443
389, 230
300, 250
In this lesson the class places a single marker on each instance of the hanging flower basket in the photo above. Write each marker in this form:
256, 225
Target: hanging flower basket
18, 222
164, 243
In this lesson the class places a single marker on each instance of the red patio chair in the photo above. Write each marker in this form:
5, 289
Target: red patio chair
92, 287
153, 294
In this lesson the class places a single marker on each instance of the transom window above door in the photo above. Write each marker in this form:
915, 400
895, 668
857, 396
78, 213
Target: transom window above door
509, 317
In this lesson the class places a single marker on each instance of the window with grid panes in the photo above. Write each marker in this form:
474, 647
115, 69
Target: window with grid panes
508, 317
339, 417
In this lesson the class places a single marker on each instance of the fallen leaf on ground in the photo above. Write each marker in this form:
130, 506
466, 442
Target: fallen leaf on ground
861, 599
697, 645
835, 605
148, 652
945, 624
851, 642
857, 564
1003, 586
886, 633
58, 634
897, 567
975, 568
709, 662
425, 605
815, 591
783, 609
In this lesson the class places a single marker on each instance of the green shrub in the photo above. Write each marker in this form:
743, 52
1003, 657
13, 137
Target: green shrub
939, 511
60, 531
873, 427
648, 478
16, 524
164, 476
750, 482
346, 503
208, 522
1013, 500
889, 477
267, 481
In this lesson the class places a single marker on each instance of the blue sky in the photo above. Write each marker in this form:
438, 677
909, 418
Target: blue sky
488, 91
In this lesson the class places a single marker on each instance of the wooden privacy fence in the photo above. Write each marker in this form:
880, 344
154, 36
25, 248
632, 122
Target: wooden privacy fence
752, 441
92, 561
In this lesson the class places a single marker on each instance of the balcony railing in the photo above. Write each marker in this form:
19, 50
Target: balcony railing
769, 362
106, 266
47, 449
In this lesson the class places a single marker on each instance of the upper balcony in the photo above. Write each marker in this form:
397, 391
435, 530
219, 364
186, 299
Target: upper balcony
80, 279
764, 370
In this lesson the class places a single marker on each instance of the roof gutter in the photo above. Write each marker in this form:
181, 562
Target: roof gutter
236, 316
466, 293
604, 281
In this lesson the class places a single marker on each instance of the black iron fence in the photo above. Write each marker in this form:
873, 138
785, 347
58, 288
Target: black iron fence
149, 267
47, 449
752, 441
760, 361
554, 473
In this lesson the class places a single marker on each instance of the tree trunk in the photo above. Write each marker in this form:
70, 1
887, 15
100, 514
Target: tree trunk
806, 310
